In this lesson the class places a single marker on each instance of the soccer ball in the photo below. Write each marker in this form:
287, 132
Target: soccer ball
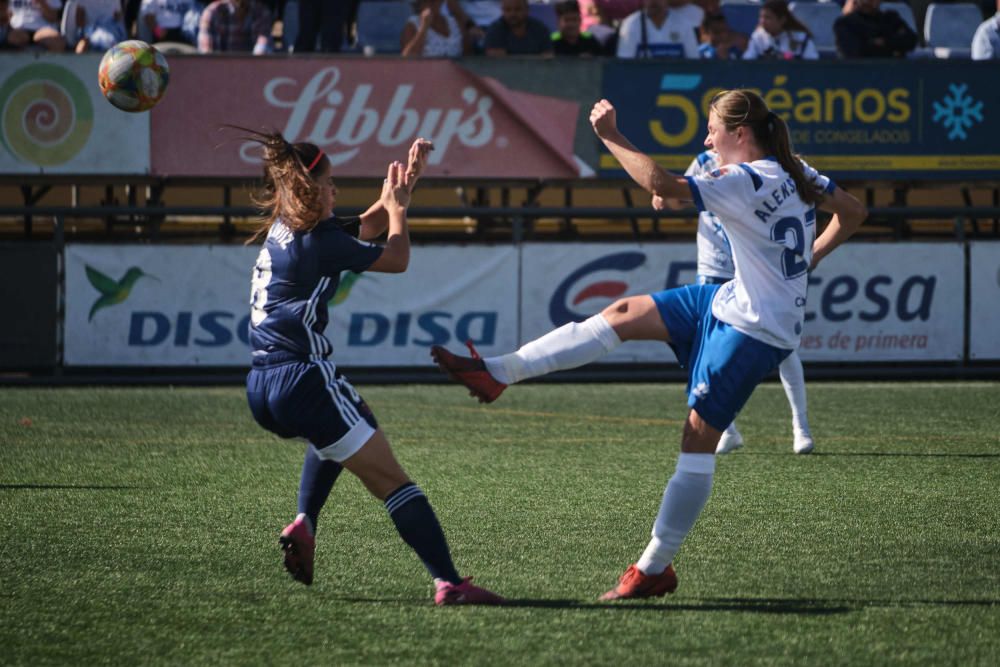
133, 75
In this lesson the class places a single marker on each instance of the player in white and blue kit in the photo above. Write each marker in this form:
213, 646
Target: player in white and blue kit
294, 388
729, 336
715, 266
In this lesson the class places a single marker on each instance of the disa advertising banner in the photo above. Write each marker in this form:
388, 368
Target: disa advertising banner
143, 305
54, 120
447, 296
364, 113
984, 301
929, 119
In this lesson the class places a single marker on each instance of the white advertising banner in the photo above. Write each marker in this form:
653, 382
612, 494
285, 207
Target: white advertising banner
154, 305
866, 302
563, 282
448, 295
984, 304
886, 302
54, 120
142, 305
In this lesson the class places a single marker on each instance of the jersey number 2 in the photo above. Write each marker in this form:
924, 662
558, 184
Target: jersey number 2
258, 287
792, 263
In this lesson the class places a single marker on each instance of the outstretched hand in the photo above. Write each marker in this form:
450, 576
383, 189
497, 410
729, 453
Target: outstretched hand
395, 189
602, 119
417, 160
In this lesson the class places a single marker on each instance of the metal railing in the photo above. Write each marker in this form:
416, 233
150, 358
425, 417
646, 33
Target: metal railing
518, 219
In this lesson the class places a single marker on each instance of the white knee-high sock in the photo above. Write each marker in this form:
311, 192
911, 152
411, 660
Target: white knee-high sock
569, 346
685, 496
793, 379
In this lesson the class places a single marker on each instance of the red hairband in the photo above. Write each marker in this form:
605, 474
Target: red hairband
319, 156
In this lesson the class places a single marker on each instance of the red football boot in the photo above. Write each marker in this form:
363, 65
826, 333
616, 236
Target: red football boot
469, 371
636, 584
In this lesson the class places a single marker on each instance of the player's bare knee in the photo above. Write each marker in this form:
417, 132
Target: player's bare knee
620, 315
699, 437
618, 311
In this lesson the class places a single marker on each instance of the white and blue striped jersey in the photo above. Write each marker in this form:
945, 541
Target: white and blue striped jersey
295, 276
771, 233
715, 258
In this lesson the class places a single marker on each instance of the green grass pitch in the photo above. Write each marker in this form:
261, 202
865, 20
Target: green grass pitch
139, 526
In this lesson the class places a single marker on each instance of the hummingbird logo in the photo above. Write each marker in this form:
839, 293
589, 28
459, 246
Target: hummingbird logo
112, 292
347, 282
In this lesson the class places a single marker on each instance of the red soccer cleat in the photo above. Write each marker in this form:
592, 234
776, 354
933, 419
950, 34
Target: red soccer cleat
463, 593
469, 371
636, 584
300, 550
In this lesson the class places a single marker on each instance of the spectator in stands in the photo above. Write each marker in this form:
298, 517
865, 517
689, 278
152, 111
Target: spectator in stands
719, 41
473, 30
36, 22
986, 41
326, 19
516, 33
569, 40
596, 21
780, 35
432, 32
658, 32
235, 25
5, 25
710, 7
612, 11
99, 25
481, 12
865, 31
687, 9
170, 20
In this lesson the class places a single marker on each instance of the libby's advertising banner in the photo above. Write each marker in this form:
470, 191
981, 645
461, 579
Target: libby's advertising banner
141, 305
929, 119
54, 120
984, 300
363, 113
866, 302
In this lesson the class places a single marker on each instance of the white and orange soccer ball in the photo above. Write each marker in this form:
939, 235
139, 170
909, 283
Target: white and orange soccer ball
133, 75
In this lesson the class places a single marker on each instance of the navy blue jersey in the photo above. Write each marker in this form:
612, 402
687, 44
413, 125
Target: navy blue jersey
296, 275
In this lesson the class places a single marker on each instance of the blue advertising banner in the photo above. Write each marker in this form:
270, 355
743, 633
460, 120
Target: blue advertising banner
908, 119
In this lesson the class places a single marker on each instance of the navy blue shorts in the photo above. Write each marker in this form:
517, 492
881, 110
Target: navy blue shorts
724, 365
313, 401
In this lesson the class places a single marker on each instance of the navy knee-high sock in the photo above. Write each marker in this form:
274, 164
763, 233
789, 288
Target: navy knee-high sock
418, 526
317, 479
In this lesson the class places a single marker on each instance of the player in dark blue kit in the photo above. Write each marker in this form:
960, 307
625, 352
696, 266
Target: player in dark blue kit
294, 388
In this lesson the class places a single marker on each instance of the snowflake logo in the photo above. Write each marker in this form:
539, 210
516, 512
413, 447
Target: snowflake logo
958, 112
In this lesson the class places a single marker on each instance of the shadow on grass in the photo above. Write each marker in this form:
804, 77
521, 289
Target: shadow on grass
752, 605
78, 487
886, 454
905, 454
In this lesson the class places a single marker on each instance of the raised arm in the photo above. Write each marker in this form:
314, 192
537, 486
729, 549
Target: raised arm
395, 258
643, 170
375, 220
848, 214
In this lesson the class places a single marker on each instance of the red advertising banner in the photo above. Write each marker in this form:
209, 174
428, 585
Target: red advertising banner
362, 113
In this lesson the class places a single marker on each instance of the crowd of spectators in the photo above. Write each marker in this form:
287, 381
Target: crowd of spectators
693, 29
